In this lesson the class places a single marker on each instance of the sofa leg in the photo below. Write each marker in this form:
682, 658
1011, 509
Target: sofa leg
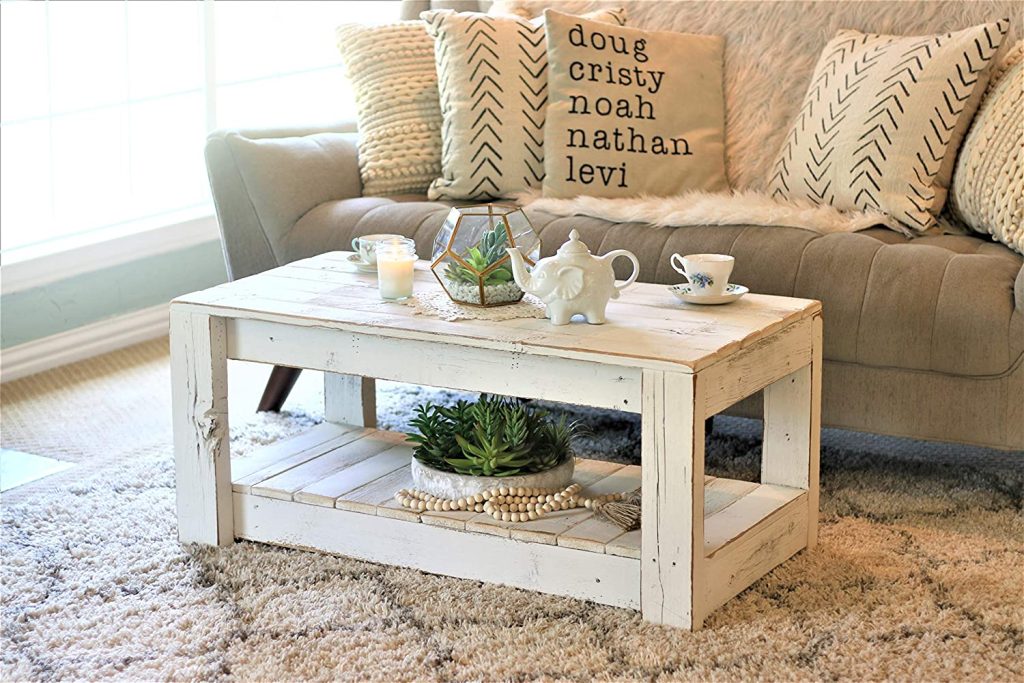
279, 385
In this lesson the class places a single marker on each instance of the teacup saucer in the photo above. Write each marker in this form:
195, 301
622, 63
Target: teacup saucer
684, 292
363, 267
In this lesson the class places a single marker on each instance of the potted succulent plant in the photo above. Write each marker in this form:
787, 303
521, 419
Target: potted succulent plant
468, 448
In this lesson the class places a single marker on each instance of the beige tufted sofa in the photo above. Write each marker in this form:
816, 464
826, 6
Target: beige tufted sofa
923, 337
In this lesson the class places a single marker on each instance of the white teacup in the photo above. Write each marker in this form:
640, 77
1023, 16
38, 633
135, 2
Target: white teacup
708, 274
366, 246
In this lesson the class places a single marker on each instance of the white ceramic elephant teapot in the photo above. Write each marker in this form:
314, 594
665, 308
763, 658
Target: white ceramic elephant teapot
573, 280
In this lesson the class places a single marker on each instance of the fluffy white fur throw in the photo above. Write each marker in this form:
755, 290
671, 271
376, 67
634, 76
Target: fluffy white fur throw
712, 208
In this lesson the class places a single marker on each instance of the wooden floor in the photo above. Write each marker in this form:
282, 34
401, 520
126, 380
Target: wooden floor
360, 470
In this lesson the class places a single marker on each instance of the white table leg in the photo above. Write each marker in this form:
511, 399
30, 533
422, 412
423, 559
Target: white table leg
350, 399
202, 461
792, 431
672, 515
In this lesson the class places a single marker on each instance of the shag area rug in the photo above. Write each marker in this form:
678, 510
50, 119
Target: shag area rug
918, 575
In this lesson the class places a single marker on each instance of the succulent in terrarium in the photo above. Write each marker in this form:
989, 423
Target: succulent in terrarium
488, 251
470, 256
494, 437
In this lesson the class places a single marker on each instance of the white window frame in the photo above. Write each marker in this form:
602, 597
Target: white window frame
96, 249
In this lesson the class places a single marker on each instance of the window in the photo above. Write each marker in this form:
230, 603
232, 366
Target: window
105, 106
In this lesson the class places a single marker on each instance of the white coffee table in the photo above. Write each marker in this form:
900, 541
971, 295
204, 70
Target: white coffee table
703, 539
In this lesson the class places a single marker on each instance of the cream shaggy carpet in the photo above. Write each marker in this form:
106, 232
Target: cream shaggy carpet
918, 575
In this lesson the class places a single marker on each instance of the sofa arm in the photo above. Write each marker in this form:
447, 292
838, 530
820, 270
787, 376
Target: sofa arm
1018, 290
263, 181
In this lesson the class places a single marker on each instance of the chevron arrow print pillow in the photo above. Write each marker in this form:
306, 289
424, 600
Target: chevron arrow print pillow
882, 121
493, 82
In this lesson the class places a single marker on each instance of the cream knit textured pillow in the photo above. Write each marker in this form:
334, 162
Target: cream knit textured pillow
882, 121
392, 72
494, 95
987, 193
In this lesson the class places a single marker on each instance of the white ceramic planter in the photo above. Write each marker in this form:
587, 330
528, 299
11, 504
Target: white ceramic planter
453, 486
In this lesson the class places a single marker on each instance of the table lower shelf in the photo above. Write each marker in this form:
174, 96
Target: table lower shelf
332, 489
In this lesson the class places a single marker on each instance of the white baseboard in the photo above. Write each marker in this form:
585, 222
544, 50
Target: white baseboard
83, 342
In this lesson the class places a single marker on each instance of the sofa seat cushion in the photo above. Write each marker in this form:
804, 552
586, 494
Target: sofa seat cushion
938, 303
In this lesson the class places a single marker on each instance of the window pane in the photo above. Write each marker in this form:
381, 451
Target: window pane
164, 47
167, 171
309, 98
104, 102
23, 91
24, 183
87, 45
257, 39
90, 170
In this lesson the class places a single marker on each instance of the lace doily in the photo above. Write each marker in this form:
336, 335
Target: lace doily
439, 305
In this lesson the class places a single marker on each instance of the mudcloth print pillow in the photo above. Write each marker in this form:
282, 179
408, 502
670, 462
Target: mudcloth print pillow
391, 68
492, 73
882, 121
632, 112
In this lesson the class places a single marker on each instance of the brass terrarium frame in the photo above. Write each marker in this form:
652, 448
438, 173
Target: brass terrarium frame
481, 275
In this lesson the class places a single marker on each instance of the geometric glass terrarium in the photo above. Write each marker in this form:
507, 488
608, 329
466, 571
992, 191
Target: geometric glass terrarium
469, 258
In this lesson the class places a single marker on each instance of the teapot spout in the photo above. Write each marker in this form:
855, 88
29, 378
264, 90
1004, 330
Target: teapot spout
519, 272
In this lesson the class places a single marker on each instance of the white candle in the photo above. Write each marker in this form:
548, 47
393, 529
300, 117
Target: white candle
395, 265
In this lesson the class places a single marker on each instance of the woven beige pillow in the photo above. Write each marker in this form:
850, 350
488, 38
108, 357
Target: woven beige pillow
987, 193
494, 96
882, 120
392, 72
632, 112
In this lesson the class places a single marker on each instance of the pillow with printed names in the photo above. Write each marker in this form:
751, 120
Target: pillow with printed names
632, 112
883, 119
492, 75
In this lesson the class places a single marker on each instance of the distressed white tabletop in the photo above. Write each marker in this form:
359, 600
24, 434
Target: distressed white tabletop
647, 325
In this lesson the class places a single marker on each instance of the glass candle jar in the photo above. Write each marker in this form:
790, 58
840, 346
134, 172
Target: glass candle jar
396, 259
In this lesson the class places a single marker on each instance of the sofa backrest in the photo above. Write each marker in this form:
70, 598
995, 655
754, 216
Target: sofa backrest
771, 50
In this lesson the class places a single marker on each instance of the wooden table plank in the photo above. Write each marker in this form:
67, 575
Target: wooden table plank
593, 531
368, 498
244, 484
547, 530
625, 545
587, 472
287, 483
327, 490
731, 521
721, 493
279, 450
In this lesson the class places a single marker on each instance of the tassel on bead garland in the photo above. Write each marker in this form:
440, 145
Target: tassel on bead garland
511, 504
623, 513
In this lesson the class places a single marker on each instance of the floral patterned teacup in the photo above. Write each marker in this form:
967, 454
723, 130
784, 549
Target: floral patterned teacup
708, 274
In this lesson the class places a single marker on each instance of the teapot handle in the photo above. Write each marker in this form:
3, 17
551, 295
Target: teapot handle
612, 255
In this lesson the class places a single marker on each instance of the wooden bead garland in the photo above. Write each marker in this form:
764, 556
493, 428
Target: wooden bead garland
516, 504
